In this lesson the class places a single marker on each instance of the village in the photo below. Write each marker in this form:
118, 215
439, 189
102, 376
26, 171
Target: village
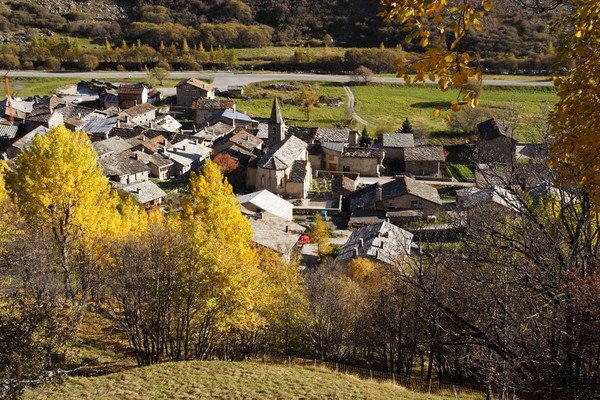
380, 201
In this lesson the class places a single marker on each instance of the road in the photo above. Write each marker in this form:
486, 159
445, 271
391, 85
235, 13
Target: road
221, 80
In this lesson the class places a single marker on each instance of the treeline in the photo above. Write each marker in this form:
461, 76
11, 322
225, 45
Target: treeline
56, 53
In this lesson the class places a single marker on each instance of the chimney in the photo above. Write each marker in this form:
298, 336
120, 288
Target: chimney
378, 193
137, 190
287, 229
361, 243
354, 252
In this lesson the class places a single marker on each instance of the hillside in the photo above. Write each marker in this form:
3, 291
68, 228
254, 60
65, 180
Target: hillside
510, 29
226, 380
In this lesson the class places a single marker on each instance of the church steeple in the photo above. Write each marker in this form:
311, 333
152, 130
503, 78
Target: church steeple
277, 127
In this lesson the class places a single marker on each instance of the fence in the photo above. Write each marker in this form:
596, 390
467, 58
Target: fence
414, 384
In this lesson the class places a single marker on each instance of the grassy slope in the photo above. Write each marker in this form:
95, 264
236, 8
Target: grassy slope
225, 380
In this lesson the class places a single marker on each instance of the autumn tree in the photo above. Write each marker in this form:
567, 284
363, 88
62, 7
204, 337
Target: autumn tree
62, 194
363, 74
320, 234
308, 99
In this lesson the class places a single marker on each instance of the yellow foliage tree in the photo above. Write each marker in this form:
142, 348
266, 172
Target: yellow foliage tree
59, 188
574, 119
232, 285
320, 234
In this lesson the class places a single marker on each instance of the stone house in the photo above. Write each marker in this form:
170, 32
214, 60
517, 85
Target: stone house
365, 161
496, 143
395, 145
187, 155
139, 115
204, 108
124, 168
382, 242
283, 170
147, 193
402, 193
424, 160
132, 94
192, 88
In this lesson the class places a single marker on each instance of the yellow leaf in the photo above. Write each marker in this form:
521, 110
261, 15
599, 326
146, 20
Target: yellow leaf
424, 42
487, 5
438, 111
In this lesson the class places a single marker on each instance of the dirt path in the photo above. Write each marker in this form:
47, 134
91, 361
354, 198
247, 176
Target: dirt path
350, 107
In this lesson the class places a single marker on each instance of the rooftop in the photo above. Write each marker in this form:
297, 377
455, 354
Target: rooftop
382, 241
283, 154
145, 192
196, 83
402, 140
424, 153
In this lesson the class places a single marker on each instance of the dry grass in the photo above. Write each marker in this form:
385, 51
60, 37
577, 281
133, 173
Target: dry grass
226, 380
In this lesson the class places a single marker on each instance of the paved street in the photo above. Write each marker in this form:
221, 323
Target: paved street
221, 80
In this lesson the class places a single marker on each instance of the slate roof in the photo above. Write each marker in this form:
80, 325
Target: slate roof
332, 135
145, 192
229, 114
306, 134
40, 114
283, 154
366, 197
298, 172
71, 111
114, 145
262, 131
383, 242
266, 201
424, 153
275, 117
8, 131
362, 152
398, 140
156, 159
246, 140
150, 145
26, 141
270, 231
494, 194
492, 129
196, 83
138, 110
122, 164
212, 104
18, 104
168, 123
216, 131
187, 151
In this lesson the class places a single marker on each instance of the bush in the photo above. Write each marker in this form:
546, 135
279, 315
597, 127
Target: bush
52, 64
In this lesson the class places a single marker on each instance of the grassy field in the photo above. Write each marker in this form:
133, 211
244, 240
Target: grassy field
262, 100
385, 106
227, 380
284, 52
